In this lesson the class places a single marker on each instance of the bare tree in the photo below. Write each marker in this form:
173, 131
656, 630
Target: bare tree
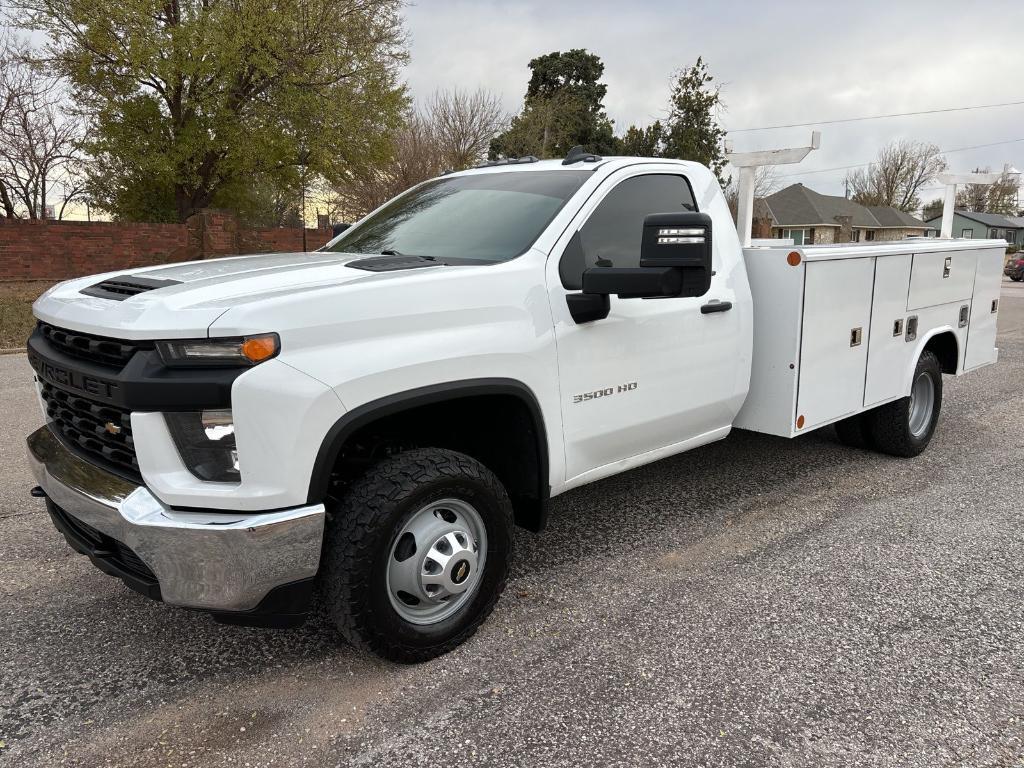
38, 139
452, 132
463, 125
896, 177
14, 82
1000, 197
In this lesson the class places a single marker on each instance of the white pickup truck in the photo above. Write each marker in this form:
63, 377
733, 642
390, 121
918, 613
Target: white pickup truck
374, 418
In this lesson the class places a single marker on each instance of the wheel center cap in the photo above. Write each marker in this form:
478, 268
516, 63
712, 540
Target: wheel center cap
460, 571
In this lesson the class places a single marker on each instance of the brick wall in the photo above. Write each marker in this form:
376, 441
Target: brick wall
57, 250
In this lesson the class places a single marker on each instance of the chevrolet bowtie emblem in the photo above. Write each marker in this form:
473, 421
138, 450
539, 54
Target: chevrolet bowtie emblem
112, 428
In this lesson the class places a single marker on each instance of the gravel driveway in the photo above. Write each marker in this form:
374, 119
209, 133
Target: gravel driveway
759, 602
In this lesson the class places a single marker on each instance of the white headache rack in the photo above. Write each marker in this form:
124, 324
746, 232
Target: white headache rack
748, 163
952, 180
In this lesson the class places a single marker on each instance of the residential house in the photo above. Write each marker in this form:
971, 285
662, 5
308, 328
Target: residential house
985, 225
809, 217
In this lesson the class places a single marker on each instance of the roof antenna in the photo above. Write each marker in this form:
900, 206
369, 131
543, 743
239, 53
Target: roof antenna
578, 153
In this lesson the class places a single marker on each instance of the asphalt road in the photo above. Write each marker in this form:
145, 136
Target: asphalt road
759, 602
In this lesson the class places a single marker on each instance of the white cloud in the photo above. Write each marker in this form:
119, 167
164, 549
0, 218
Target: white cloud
777, 63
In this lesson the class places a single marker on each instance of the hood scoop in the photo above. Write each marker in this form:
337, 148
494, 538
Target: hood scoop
121, 288
390, 263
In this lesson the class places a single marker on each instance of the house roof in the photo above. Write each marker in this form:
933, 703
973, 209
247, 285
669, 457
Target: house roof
989, 219
796, 205
894, 217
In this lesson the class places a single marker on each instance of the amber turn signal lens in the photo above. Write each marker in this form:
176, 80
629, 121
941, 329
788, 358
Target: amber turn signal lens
259, 348
793, 259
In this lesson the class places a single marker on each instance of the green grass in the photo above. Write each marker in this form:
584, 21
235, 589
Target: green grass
16, 311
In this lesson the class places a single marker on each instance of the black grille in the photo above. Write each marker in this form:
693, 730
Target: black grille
101, 432
95, 349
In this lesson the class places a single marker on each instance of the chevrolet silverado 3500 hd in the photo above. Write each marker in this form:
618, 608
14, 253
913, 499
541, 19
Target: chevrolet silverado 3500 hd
376, 417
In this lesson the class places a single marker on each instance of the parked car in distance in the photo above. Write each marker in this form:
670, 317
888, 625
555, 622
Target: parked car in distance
1014, 268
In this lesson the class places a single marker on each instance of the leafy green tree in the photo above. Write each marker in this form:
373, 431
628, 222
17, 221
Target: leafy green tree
932, 209
563, 107
194, 103
692, 129
643, 142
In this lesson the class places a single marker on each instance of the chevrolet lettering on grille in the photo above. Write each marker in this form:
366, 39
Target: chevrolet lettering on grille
72, 379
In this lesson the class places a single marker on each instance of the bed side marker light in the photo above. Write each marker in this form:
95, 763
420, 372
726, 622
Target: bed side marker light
793, 259
800, 422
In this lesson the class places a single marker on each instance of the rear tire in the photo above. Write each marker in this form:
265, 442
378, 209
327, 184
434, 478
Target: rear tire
854, 432
416, 554
905, 427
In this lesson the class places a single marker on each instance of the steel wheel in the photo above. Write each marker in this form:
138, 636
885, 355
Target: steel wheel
436, 561
922, 403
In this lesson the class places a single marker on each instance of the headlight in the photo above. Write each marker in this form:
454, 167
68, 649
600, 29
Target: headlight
206, 444
242, 351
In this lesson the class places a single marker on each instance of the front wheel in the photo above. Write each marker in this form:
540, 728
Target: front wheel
416, 554
905, 427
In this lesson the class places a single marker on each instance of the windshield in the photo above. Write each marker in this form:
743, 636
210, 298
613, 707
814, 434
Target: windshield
481, 218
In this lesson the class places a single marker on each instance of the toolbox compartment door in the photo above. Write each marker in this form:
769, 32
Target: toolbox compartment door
834, 340
888, 349
981, 333
941, 278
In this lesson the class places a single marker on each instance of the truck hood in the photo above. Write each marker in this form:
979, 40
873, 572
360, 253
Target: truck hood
192, 295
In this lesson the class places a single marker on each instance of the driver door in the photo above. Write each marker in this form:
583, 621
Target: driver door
655, 375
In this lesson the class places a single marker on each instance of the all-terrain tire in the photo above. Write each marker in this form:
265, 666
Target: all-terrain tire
360, 535
889, 425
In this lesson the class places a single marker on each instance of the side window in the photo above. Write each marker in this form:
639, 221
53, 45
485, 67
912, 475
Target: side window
613, 232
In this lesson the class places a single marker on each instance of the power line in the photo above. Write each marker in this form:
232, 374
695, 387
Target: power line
877, 117
873, 162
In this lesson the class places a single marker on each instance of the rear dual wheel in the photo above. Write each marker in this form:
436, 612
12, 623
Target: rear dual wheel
903, 427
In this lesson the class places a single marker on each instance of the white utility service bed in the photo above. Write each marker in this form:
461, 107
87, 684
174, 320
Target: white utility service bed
841, 330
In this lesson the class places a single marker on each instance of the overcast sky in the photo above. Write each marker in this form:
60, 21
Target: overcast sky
777, 62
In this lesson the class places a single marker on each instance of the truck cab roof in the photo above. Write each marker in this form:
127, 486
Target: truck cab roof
605, 164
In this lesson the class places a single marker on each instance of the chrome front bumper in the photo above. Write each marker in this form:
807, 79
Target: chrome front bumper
217, 561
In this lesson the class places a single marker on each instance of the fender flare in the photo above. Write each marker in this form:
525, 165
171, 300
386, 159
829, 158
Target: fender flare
392, 404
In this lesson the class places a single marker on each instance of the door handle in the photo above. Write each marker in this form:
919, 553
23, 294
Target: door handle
715, 306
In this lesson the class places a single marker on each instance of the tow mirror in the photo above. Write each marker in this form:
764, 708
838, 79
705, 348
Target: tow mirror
626, 282
682, 241
675, 261
633, 282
